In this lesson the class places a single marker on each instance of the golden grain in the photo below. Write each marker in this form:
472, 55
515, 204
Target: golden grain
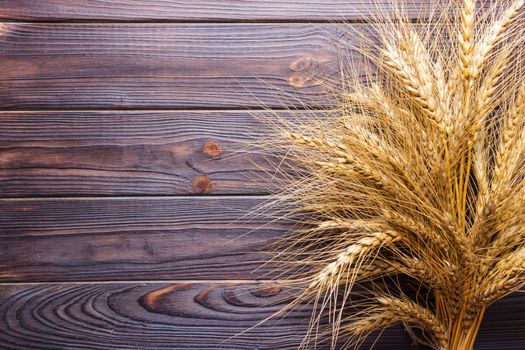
418, 172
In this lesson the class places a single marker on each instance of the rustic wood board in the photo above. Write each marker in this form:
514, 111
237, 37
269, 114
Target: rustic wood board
202, 10
150, 316
152, 65
133, 153
185, 238
175, 315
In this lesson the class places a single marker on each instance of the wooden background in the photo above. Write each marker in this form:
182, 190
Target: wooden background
123, 195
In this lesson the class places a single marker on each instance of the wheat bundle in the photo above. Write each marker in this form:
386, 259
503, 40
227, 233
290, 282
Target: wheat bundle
415, 179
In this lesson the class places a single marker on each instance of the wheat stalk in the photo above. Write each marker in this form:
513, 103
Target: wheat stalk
417, 176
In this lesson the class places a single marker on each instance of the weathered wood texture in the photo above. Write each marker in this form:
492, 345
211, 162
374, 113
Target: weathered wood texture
158, 316
152, 316
132, 153
148, 238
135, 99
165, 65
202, 10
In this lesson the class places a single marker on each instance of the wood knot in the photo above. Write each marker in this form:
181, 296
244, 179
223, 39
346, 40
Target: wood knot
202, 185
212, 149
267, 290
301, 64
297, 81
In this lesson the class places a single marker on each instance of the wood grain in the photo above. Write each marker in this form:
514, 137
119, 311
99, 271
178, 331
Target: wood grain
187, 316
201, 10
132, 153
152, 316
102, 66
147, 238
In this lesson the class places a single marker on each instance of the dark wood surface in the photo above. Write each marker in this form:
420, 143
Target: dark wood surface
127, 183
201, 10
157, 65
181, 315
151, 316
132, 153
145, 238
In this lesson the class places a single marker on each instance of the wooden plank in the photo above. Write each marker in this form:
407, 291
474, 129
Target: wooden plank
137, 316
145, 238
141, 65
150, 316
202, 10
131, 153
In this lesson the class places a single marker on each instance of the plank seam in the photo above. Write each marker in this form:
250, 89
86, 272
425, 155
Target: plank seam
225, 281
166, 109
135, 197
203, 21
